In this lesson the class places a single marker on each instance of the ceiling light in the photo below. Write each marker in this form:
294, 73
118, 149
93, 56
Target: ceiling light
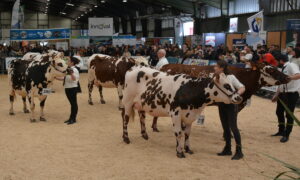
96, 6
124, 1
102, 1
91, 9
48, 0
69, 4
81, 14
86, 12
63, 13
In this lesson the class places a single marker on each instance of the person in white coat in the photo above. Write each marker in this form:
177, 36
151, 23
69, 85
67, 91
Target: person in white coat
162, 60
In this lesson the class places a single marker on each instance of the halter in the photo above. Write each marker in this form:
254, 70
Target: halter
228, 95
58, 69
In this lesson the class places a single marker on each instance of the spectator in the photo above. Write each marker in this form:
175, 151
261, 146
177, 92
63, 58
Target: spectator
268, 58
162, 59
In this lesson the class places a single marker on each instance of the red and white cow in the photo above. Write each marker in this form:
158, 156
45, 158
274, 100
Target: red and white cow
109, 72
180, 96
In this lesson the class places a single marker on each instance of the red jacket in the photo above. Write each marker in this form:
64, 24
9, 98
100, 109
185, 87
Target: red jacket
269, 58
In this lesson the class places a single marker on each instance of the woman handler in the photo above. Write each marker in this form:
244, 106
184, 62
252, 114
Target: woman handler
228, 114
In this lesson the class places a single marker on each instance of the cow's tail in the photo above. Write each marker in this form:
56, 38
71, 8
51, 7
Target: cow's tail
132, 114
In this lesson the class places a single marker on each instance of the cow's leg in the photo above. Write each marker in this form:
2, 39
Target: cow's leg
120, 93
143, 127
236, 133
223, 113
187, 131
126, 113
42, 105
154, 124
32, 107
11, 100
25, 105
100, 88
90, 88
178, 134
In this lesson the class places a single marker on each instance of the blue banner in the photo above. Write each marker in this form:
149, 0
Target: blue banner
39, 34
293, 24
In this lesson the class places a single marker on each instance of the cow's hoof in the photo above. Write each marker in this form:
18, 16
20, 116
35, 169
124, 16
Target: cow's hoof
11, 113
237, 156
145, 136
189, 151
91, 103
126, 140
32, 120
102, 102
155, 130
42, 119
180, 155
26, 111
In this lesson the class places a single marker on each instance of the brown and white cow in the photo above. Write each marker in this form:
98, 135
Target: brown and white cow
109, 72
29, 78
253, 78
182, 97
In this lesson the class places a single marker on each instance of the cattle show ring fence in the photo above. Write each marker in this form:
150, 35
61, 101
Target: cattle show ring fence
265, 92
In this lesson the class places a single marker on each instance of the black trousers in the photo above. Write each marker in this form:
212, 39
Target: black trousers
228, 115
290, 99
72, 97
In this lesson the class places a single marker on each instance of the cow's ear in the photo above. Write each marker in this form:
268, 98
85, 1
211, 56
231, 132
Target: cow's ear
131, 60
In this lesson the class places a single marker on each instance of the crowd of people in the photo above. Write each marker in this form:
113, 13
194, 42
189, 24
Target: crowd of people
237, 55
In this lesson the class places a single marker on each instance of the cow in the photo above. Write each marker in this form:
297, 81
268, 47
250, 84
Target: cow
109, 72
253, 78
181, 97
29, 78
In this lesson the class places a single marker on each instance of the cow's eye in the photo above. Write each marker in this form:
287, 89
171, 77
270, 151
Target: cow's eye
60, 64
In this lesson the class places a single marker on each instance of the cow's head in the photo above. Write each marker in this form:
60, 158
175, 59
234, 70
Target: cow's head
58, 67
222, 90
269, 75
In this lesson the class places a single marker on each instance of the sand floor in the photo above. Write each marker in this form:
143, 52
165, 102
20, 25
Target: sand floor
93, 148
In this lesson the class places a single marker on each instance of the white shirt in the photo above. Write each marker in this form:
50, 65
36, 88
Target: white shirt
248, 57
68, 82
235, 82
162, 61
294, 85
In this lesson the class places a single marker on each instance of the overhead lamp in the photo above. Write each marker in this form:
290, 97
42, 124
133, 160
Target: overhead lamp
86, 12
81, 14
69, 4
63, 13
124, 1
96, 6
102, 1
91, 10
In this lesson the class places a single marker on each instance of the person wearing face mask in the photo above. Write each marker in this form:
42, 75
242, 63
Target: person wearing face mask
228, 114
289, 94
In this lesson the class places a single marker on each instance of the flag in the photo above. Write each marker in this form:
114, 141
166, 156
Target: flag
17, 16
256, 23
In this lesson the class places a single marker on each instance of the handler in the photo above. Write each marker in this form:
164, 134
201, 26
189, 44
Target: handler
228, 114
71, 84
289, 94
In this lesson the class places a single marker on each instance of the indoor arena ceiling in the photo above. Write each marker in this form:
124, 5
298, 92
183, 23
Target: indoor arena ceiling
115, 8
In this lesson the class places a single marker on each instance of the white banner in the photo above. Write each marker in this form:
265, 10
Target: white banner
84, 63
124, 40
178, 28
256, 23
15, 18
233, 24
100, 26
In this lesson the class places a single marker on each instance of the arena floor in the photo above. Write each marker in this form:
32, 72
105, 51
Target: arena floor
93, 148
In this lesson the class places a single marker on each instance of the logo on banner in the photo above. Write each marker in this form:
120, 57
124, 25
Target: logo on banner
100, 26
256, 24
